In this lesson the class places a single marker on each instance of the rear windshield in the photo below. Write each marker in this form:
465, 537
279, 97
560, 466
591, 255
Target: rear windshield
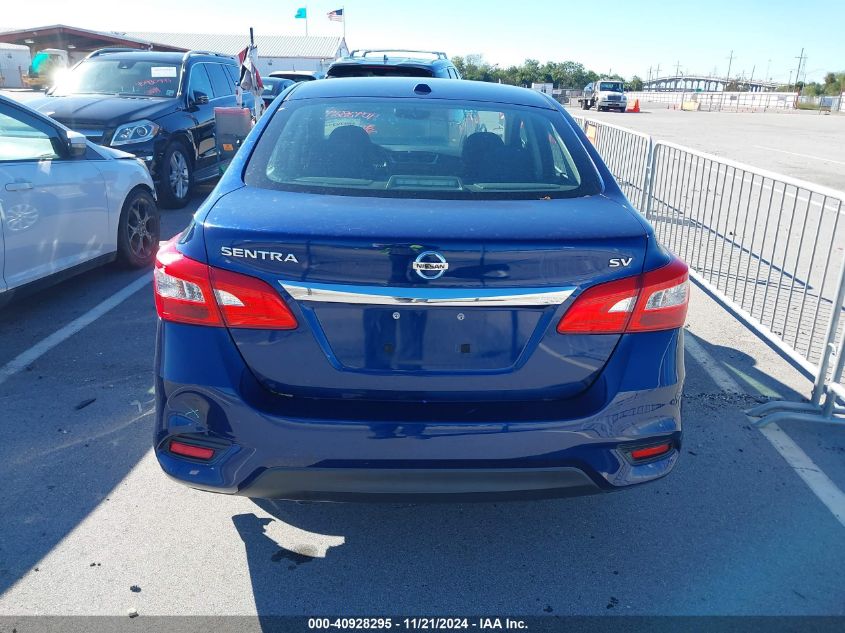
421, 148
377, 70
121, 77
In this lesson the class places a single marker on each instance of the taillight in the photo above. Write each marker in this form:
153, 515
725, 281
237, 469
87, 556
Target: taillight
191, 450
183, 290
655, 300
188, 291
248, 302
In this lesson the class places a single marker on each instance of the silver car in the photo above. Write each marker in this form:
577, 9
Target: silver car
67, 205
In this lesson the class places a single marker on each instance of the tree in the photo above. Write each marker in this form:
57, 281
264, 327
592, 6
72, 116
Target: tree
834, 83
813, 89
636, 84
567, 74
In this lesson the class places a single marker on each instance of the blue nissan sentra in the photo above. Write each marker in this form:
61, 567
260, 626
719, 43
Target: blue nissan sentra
409, 288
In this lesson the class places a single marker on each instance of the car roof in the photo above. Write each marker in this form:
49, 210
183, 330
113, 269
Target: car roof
161, 56
298, 73
399, 87
391, 61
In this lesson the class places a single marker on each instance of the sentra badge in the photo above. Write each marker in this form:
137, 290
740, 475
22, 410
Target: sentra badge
250, 253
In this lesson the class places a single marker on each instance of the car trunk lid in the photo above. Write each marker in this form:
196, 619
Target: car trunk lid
414, 299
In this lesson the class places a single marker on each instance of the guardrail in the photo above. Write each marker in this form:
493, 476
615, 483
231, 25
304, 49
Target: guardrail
626, 153
769, 247
721, 101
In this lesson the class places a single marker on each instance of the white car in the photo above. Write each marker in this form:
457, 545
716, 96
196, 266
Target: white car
67, 205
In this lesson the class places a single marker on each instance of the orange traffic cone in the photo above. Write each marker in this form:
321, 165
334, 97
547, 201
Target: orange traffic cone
636, 107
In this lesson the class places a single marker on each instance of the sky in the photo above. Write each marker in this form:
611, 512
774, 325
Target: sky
625, 37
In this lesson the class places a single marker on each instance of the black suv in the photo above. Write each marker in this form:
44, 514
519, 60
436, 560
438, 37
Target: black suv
157, 106
393, 63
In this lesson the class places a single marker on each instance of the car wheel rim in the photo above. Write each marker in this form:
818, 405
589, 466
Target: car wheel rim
179, 174
140, 225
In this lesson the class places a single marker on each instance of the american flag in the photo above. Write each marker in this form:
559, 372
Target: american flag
336, 15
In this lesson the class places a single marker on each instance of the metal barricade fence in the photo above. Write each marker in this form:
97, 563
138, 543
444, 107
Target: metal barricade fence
769, 247
626, 153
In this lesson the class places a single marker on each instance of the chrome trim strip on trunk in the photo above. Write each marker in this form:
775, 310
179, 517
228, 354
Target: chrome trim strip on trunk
457, 297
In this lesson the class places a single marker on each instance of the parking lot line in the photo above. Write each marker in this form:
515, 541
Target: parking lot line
783, 151
29, 356
821, 485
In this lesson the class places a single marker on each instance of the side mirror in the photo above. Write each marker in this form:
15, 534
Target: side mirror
197, 99
77, 144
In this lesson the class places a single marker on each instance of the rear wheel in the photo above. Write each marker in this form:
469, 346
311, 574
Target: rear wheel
176, 177
138, 230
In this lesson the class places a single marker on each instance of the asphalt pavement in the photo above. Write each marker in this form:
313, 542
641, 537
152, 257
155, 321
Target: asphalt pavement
798, 143
89, 525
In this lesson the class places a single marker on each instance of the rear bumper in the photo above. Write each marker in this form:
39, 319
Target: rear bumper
393, 484
205, 394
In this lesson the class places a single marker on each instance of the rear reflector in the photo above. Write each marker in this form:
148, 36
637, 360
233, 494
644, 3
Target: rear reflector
656, 300
648, 452
188, 291
189, 450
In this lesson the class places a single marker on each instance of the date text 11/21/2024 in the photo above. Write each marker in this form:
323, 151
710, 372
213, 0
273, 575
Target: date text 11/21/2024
421, 623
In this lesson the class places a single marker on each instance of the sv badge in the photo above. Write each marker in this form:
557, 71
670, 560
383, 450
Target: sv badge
616, 262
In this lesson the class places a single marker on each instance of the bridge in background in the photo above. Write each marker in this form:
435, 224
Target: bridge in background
685, 83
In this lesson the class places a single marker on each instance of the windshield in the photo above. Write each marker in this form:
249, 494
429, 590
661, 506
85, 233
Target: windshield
421, 148
274, 86
610, 86
122, 77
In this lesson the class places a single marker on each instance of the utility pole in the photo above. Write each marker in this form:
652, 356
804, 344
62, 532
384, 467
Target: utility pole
657, 72
727, 81
801, 60
768, 66
678, 68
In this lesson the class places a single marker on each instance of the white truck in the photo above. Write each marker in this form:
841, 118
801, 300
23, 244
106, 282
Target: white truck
45, 65
604, 94
14, 64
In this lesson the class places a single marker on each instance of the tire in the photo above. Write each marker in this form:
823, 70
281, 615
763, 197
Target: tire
138, 230
176, 177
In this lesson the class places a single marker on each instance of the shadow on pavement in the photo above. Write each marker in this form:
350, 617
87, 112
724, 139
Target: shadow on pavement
721, 535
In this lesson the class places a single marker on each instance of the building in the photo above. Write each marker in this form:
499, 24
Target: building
275, 52
77, 42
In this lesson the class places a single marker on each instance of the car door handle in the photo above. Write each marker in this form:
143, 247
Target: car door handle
18, 185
